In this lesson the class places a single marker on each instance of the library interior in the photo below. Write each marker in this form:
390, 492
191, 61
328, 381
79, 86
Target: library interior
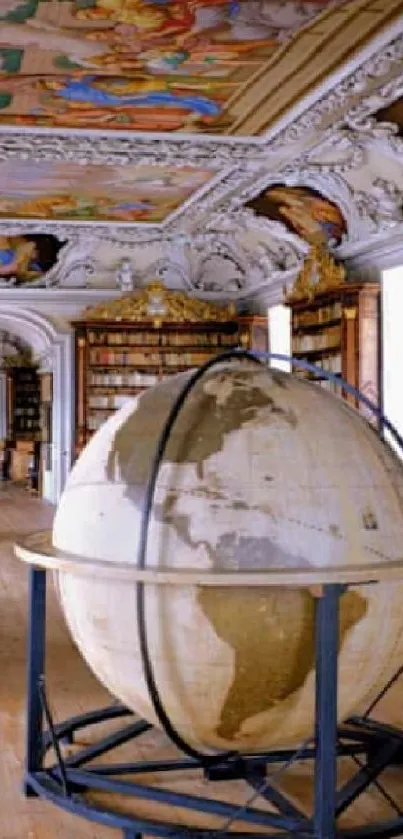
201, 419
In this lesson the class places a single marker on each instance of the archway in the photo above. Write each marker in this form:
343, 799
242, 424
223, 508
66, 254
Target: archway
54, 350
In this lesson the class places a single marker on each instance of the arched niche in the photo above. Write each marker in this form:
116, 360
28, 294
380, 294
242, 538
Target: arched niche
53, 349
304, 209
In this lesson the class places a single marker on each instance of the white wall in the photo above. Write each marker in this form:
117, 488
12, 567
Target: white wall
392, 341
279, 318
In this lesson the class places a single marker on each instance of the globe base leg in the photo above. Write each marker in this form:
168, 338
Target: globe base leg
327, 639
74, 782
28, 790
36, 672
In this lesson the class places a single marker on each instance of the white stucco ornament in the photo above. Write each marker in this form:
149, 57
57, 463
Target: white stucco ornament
124, 275
263, 472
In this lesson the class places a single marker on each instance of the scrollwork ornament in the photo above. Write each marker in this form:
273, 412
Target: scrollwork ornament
356, 83
219, 270
384, 134
383, 206
88, 147
98, 232
377, 99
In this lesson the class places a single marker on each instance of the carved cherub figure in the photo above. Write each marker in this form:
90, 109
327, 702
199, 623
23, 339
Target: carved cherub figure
124, 275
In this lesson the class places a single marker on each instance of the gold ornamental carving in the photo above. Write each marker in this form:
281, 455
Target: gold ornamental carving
159, 305
22, 359
320, 273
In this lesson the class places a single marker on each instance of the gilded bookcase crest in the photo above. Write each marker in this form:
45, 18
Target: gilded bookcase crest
158, 304
320, 273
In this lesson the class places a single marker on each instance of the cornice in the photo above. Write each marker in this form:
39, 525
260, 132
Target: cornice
81, 146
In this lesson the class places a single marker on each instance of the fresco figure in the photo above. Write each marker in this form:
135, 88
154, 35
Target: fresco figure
142, 104
66, 190
27, 258
304, 210
212, 20
187, 57
49, 38
17, 257
85, 91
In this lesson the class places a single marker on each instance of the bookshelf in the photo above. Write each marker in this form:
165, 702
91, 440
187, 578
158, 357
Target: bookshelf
129, 344
23, 398
335, 325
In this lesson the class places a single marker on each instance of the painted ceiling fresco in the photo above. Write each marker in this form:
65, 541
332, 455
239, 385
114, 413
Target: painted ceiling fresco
143, 65
51, 190
24, 259
305, 211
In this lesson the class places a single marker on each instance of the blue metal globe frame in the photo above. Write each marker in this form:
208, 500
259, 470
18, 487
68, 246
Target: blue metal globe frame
373, 746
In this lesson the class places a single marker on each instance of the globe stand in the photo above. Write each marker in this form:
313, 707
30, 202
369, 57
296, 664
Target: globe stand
69, 782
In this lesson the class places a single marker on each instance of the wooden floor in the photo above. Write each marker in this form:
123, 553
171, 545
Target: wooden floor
72, 688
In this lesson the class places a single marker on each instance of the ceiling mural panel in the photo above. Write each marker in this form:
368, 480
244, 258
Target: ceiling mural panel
143, 65
53, 190
26, 259
233, 147
304, 210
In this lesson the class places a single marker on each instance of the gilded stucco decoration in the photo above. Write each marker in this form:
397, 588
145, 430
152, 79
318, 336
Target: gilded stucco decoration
153, 133
158, 304
320, 273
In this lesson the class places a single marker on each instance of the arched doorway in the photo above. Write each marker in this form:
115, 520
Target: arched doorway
53, 348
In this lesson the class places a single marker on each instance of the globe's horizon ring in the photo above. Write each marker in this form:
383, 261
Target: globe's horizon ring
36, 549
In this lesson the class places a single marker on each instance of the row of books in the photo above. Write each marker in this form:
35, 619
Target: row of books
318, 340
320, 315
24, 424
329, 363
333, 387
110, 401
26, 412
158, 359
133, 379
29, 377
161, 339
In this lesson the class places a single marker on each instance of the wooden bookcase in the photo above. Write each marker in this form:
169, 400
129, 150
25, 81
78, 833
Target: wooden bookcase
336, 325
130, 343
23, 398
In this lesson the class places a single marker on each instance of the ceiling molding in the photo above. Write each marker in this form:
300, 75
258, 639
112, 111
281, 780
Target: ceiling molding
374, 83
217, 248
344, 35
119, 149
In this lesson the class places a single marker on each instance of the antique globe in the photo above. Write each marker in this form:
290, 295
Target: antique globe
263, 471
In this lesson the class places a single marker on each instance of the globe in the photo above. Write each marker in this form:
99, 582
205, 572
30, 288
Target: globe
263, 471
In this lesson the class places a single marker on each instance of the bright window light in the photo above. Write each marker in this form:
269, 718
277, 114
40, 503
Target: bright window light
392, 346
280, 335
